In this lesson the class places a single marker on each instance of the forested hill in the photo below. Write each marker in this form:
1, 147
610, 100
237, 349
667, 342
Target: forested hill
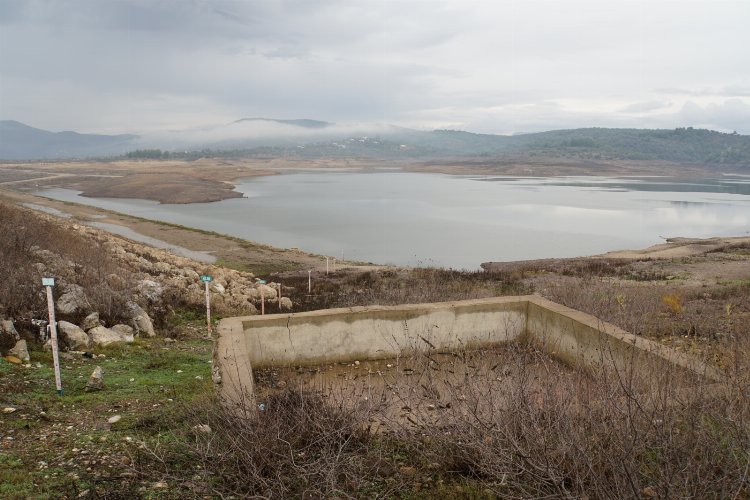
682, 145
685, 145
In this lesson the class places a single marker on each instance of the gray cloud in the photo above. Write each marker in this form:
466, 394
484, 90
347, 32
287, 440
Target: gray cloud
498, 67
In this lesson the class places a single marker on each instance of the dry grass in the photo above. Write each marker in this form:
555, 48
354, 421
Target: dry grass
592, 436
392, 287
33, 247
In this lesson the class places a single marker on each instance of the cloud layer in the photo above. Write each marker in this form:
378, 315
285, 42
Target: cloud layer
485, 66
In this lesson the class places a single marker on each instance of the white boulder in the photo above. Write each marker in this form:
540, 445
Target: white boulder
72, 337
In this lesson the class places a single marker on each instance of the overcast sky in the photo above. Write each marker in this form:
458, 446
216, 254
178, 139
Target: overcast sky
485, 66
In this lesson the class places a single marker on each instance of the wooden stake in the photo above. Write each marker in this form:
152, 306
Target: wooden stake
208, 308
53, 340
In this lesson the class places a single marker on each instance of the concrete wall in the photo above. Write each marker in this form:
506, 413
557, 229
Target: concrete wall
582, 340
379, 332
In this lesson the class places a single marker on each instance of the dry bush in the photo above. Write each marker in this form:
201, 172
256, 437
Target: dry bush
389, 287
566, 434
301, 446
33, 246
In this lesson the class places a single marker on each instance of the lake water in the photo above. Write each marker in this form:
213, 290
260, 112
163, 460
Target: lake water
432, 219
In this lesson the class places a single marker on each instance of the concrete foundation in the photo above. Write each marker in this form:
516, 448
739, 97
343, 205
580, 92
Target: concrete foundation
381, 332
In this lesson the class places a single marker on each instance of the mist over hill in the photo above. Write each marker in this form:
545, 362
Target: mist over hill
308, 138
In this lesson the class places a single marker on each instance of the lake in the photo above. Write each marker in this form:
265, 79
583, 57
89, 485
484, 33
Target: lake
458, 221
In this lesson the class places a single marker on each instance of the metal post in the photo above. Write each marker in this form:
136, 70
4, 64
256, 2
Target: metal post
279, 296
262, 302
48, 284
326, 266
208, 308
309, 282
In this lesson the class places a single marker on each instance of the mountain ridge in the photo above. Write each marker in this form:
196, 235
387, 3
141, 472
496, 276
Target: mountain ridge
316, 138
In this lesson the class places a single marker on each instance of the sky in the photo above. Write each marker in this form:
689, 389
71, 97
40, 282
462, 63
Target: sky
500, 67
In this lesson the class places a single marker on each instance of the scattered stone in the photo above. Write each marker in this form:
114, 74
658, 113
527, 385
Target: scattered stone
141, 321
9, 409
124, 330
169, 340
72, 301
72, 337
218, 288
649, 492
269, 293
96, 380
150, 289
114, 419
91, 321
20, 351
286, 303
161, 485
102, 336
204, 428
281, 384
13, 359
8, 335
198, 377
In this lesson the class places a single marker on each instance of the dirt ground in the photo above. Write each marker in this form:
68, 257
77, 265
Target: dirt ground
166, 181
426, 389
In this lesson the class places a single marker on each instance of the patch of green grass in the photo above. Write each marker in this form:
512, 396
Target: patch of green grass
737, 282
151, 384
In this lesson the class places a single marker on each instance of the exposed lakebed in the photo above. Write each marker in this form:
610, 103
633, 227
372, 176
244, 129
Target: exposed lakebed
456, 221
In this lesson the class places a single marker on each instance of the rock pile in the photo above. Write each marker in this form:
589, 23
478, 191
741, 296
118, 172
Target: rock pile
133, 283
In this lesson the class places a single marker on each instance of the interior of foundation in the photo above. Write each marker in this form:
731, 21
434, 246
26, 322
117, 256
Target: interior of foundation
436, 389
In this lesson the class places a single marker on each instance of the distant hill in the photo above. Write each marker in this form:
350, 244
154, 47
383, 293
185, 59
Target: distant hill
21, 142
314, 139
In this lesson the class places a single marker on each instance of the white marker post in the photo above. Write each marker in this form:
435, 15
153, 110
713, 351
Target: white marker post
334, 264
48, 283
309, 282
326, 266
206, 279
262, 298
279, 296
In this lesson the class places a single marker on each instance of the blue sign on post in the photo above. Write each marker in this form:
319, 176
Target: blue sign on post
48, 281
206, 278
